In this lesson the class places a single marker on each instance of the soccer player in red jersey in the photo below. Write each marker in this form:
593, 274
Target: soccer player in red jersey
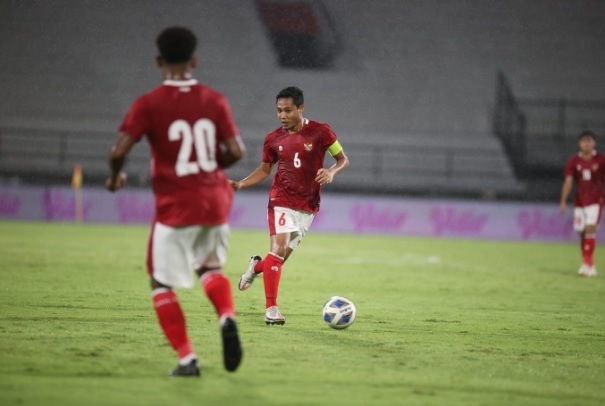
193, 137
298, 148
587, 169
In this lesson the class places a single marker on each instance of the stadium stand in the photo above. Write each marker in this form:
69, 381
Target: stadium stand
411, 97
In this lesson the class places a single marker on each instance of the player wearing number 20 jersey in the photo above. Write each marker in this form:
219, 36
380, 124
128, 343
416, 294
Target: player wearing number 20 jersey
185, 122
192, 137
298, 148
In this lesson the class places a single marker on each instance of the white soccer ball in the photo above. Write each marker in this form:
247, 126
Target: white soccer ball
339, 312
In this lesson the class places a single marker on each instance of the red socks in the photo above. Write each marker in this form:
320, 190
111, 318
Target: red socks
218, 289
588, 247
271, 276
258, 268
171, 318
270, 266
172, 321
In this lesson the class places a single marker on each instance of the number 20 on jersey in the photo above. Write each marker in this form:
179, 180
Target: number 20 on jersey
202, 137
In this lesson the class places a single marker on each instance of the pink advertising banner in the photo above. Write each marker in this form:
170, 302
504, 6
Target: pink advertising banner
339, 213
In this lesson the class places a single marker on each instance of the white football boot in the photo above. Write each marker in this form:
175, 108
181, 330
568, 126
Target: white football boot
590, 271
587, 270
273, 316
245, 281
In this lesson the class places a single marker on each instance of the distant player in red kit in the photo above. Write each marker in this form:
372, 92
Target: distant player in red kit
193, 137
587, 169
298, 148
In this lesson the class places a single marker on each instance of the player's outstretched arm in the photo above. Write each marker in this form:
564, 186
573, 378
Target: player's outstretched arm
565, 191
326, 176
234, 150
258, 175
117, 157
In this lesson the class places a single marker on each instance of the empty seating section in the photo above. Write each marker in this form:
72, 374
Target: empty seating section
410, 90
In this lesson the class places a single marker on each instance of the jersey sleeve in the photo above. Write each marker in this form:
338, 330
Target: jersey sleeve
569, 168
602, 164
269, 155
226, 125
136, 123
328, 137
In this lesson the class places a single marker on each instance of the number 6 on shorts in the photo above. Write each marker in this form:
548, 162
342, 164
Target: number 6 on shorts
284, 220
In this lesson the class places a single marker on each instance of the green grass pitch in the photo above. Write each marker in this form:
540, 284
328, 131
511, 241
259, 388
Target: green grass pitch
440, 322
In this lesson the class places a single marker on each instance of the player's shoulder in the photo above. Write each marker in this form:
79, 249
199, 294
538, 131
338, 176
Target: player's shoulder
320, 129
208, 95
152, 97
573, 159
149, 95
600, 156
275, 133
313, 124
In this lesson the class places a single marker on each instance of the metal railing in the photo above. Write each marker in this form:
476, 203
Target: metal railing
37, 156
509, 124
540, 133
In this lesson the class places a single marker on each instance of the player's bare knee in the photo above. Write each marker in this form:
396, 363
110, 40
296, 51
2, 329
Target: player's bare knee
279, 249
201, 271
590, 229
289, 252
157, 285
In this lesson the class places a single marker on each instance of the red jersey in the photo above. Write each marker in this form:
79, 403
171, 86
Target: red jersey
185, 123
588, 175
299, 156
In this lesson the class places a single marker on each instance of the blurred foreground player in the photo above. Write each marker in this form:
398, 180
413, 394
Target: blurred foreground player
587, 169
193, 137
298, 148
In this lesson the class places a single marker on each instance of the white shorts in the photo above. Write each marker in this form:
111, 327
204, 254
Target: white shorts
175, 253
296, 222
586, 216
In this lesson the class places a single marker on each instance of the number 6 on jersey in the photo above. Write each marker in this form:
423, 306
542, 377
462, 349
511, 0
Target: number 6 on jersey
297, 162
203, 137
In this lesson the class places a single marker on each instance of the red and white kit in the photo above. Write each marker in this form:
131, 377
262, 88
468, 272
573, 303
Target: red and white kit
295, 195
185, 123
588, 176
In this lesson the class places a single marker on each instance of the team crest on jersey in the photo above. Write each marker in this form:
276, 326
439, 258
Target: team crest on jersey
308, 147
595, 167
280, 148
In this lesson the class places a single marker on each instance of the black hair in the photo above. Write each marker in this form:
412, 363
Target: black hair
176, 44
587, 133
293, 93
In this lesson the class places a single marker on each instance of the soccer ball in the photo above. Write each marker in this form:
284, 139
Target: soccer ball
339, 312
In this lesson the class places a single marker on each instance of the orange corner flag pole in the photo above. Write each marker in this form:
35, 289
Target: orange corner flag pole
76, 184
